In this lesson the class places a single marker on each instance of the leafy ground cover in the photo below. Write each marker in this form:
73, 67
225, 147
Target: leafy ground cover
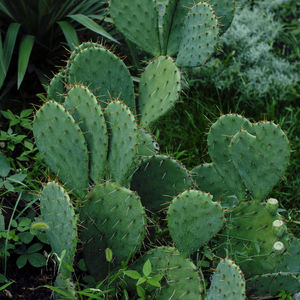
264, 89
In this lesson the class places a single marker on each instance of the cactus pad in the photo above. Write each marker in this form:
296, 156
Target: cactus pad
62, 145
200, 36
227, 282
261, 159
56, 88
104, 74
158, 90
123, 140
85, 110
111, 215
158, 179
193, 219
147, 144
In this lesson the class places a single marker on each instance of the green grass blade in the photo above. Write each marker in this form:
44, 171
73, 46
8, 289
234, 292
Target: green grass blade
2, 61
4, 9
10, 41
92, 25
24, 54
69, 33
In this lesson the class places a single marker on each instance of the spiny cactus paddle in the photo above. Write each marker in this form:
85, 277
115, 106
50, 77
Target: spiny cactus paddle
62, 145
159, 89
114, 218
104, 73
83, 106
193, 219
56, 88
260, 158
181, 278
158, 179
200, 36
147, 144
123, 141
58, 213
227, 282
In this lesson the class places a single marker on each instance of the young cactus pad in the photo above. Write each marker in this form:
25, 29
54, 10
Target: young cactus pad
83, 106
261, 159
200, 36
228, 282
56, 88
138, 21
62, 145
193, 219
147, 144
158, 179
58, 213
123, 141
158, 90
104, 73
114, 218
181, 278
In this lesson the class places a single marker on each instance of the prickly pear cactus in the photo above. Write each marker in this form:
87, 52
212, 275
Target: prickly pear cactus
104, 73
114, 218
158, 90
123, 141
83, 106
200, 37
158, 179
62, 145
56, 88
227, 282
260, 158
181, 276
193, 219
147, 144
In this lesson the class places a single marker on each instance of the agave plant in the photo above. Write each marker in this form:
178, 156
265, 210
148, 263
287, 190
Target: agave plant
29, 24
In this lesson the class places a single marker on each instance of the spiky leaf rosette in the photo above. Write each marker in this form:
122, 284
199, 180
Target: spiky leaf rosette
83, 106
114, 218
181, 280
272, 283
138, 21
193, 219
158, 179
200, 36
227, 282
218, 140
209, 180
159, 89
103, 73
123, 141
56, 88
147, 144
58, 213
62, 145
250, 236
261, 158
224, 10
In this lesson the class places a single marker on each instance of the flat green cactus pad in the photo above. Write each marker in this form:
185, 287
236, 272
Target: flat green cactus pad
56, 88
83, 106
200, 36
138, 21
104, 74
158, 179
158, 90
123, 141
193, 219
114, 218
209, 180
261, 158
62, 145
181, 280
58, 213
147, 144
227, 282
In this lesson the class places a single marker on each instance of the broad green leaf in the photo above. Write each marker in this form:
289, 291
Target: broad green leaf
17, 178
154, 282
37, 260
147, 269
132, 274
21, 261
26, 113
92, 25
24, 54
141, 280
35, 248
10, 41
25, 237
4, 165
140, 291
69, 33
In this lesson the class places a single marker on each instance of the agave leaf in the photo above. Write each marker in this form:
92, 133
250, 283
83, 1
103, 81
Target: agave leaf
69, 33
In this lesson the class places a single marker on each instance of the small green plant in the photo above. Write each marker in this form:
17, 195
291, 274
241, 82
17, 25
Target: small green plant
144, 280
